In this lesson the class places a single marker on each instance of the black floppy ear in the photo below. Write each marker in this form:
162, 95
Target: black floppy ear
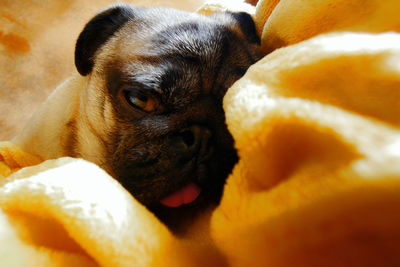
96, 32
247, 25
244, 21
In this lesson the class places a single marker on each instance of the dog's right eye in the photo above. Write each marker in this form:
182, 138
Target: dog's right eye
141, 101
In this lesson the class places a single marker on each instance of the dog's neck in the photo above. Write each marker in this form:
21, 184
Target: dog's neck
46, 133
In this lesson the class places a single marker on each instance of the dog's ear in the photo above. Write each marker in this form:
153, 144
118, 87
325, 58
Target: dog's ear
96, 32
244, 21
247, 25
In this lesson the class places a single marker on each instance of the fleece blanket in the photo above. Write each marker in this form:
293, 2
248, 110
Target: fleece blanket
316, 124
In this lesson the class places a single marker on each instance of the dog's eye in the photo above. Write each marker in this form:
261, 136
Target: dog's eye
140, 101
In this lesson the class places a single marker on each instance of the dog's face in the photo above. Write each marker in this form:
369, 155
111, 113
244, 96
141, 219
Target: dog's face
156, 80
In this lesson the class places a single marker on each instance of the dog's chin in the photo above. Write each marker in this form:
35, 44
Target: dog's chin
177, 189
180, 216
179, 200
179, 219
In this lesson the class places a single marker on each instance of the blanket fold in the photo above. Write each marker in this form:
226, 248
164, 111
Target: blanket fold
319, 174
292, 21
12, 158
77, 213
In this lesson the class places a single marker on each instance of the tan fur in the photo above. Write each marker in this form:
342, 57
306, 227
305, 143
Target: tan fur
46, 132
65, 123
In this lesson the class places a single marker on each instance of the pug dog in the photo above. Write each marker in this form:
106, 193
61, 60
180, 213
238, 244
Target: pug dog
146, 105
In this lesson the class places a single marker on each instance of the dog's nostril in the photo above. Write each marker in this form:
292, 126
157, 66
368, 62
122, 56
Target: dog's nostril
188, 138
194, 137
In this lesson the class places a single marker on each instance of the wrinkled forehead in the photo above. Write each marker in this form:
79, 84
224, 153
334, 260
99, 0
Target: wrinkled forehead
194, 39
180, 43
170, 50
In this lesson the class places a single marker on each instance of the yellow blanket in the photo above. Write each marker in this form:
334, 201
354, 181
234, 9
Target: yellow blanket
316, 123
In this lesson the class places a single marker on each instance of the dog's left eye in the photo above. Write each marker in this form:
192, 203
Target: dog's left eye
141, 101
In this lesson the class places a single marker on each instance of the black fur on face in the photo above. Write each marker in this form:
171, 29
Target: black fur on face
182, 64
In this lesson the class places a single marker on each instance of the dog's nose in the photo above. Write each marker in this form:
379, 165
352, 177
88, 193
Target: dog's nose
193, 139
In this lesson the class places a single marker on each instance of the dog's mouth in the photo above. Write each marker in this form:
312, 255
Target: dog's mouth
176, 185
183, 196
187, 190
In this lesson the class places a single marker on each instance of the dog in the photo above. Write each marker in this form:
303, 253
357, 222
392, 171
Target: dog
146, 105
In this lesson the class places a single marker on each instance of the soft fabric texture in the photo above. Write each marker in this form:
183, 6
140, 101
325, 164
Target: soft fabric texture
69, 212
316, 124
318, 182
212, 6
286, 22
12, 159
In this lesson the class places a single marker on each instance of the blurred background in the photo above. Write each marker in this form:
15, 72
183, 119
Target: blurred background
37, 39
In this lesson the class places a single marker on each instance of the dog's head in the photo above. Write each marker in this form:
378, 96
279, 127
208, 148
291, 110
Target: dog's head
153, 101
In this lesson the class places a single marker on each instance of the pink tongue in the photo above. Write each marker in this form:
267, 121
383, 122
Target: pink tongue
184, 195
